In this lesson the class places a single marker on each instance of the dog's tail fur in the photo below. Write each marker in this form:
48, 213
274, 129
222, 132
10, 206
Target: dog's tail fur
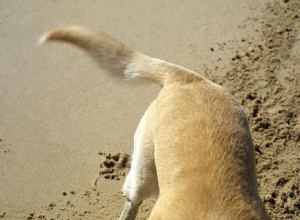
118, 58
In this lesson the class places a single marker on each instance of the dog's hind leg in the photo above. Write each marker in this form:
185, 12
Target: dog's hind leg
141, 181
129, 211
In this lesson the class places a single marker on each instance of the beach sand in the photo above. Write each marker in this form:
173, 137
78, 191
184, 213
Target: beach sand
65, 122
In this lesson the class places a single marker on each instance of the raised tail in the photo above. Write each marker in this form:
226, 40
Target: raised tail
116, 57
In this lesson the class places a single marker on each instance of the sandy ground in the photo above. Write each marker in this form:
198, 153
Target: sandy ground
65, 124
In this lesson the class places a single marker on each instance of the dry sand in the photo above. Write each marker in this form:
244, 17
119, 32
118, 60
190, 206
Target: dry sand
67, 129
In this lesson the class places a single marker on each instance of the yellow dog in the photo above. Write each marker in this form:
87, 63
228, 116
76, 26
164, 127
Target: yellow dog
193, 146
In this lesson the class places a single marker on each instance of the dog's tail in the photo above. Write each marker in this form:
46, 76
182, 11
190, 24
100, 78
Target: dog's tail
118, 58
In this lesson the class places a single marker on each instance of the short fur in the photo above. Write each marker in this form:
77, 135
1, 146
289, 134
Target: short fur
193, 145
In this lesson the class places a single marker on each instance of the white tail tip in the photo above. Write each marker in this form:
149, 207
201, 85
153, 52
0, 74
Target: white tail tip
43, 39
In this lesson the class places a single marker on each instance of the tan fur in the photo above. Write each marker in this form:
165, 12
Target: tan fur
193, 144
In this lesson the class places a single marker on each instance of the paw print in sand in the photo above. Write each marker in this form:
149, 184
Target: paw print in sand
114, 166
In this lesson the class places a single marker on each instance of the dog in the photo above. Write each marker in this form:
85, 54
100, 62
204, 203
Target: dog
192, 147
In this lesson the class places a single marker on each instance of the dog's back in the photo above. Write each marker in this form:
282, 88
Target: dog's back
204, 154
